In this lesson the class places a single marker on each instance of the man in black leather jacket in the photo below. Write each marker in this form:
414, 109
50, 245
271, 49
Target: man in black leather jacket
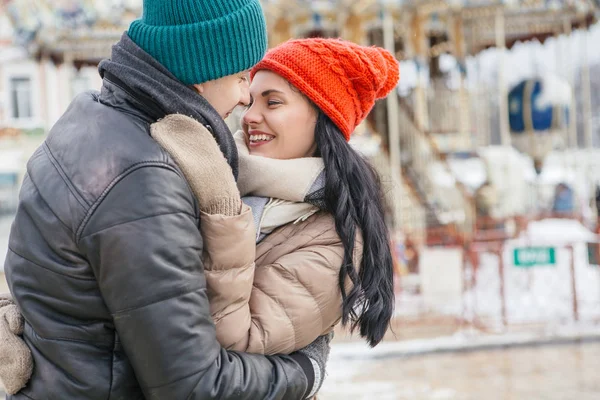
104, 255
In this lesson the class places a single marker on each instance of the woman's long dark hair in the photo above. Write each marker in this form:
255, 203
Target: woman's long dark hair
353, 195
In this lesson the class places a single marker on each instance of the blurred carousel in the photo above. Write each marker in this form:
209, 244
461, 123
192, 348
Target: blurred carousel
410, 137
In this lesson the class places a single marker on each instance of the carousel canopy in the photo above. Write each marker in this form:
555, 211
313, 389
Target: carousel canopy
523, 19
86, 28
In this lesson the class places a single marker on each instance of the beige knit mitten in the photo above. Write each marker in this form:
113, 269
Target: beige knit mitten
16, 363
197, 153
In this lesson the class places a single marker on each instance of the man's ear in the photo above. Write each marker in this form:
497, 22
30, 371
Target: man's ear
199, 87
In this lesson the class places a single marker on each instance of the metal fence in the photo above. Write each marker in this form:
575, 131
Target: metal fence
502, 284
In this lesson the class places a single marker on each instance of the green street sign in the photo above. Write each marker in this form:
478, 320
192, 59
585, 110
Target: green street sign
525, 257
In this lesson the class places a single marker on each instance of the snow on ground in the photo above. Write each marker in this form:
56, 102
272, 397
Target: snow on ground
463, 340
339, 381
532, 372
440, 368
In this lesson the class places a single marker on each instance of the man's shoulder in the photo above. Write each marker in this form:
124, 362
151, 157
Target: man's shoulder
94, 145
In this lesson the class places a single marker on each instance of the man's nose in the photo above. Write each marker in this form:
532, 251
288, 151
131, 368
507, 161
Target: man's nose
245, 95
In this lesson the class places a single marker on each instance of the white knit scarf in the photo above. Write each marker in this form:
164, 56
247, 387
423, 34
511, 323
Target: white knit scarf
285, 182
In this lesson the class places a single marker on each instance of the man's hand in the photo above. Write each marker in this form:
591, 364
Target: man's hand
16, 363
318, 353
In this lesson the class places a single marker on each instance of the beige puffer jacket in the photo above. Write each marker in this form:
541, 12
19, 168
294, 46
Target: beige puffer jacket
287, 297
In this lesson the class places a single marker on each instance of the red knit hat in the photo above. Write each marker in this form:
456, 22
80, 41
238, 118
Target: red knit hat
342, 78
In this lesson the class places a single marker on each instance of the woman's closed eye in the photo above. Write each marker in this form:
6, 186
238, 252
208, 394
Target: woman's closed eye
272, 103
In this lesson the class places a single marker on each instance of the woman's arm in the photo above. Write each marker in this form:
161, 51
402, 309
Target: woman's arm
229, 252
293, 300
226, 224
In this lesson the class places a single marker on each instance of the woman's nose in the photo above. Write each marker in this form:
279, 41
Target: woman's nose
251, 116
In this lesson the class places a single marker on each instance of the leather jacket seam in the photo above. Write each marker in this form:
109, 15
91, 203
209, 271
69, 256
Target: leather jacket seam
64, 339
29, 397
112, 184
178, 294
188, 397
135, 220
64, 177
48, 205
47, 269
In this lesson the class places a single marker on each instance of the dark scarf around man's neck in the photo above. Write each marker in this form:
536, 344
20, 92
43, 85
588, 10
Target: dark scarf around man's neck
154, 85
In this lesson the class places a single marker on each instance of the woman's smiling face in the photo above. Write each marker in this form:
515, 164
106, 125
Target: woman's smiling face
279, 122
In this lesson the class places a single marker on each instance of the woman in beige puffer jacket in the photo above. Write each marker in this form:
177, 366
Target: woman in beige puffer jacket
323, 251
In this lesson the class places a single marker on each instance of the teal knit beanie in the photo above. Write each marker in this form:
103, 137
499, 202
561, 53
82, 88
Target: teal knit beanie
202, 40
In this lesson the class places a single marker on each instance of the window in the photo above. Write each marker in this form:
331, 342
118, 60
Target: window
20, 90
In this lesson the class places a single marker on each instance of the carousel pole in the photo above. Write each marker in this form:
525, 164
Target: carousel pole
420, 48
43, 100
571, 73
353, 25
281, 31
458, 40
484, 105
562, 74
586, 92
570, 158
502, 91
65, 71
393, 127
587, 109
279, 25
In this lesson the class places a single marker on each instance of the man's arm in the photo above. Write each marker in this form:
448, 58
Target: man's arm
143, 243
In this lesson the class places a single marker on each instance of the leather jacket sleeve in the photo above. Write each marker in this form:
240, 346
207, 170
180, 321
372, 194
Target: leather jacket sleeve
142, 240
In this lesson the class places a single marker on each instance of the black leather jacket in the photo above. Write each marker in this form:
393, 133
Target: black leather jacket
105, 263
